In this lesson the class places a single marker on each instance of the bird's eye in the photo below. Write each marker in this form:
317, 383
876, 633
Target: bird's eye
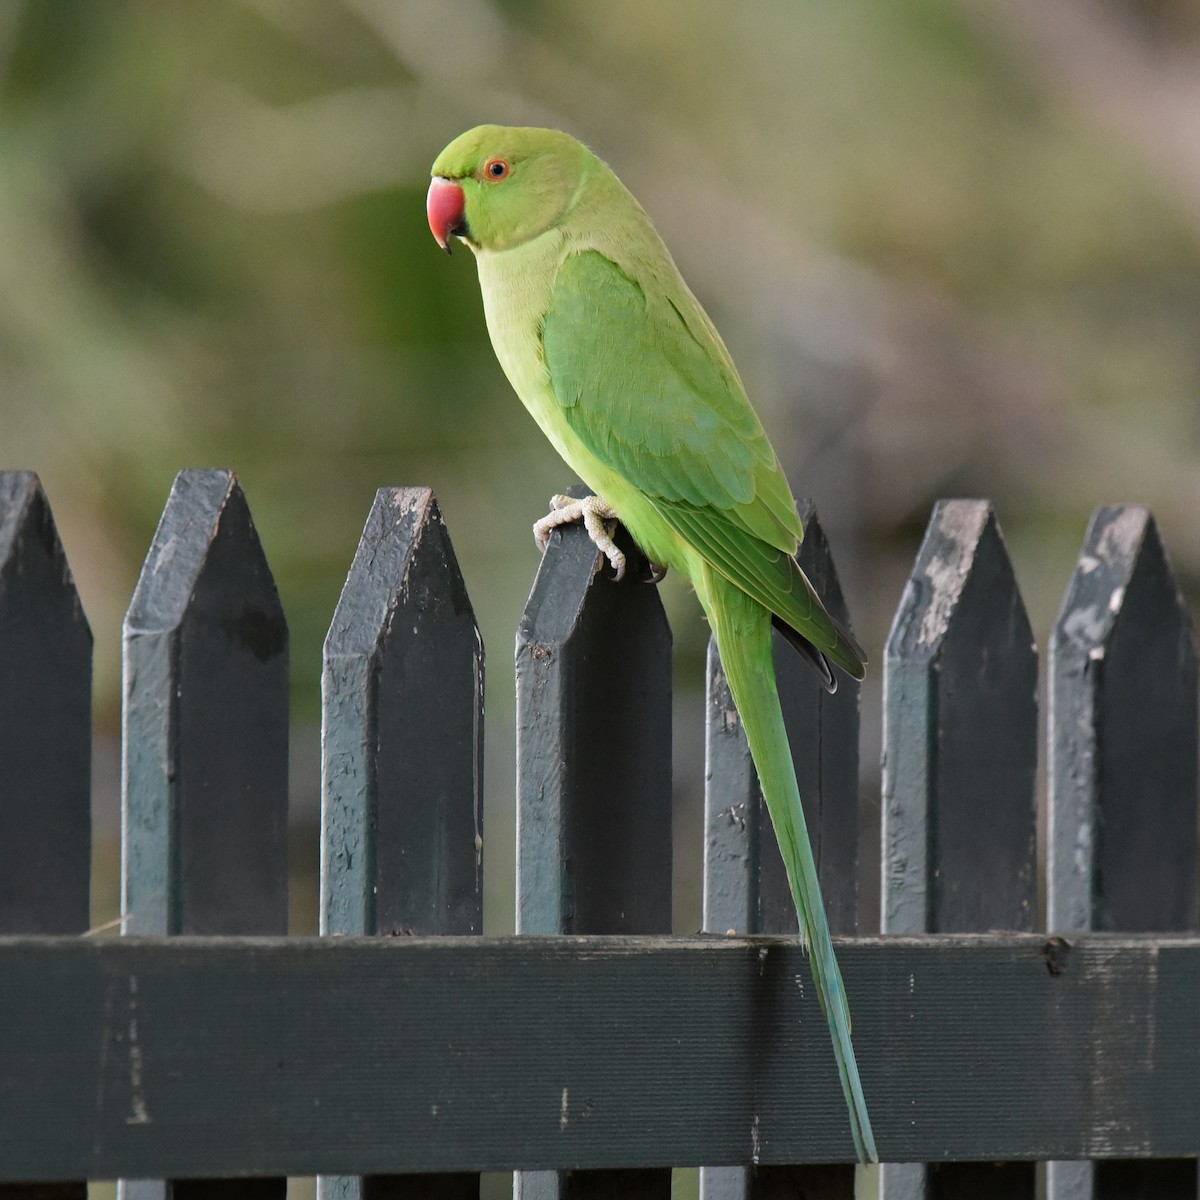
496, 168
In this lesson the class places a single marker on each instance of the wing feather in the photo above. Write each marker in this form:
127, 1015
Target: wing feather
647, 385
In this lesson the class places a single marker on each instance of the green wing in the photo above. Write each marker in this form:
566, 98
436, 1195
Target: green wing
645, 382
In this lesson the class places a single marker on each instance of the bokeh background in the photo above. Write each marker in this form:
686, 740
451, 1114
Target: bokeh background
954, 246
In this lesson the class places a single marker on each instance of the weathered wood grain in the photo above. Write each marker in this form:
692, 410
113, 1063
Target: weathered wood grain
593, 746
402, 736
193, 1057
205, 724
960, 737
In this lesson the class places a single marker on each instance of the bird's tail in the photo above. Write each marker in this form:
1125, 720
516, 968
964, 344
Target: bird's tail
743, 631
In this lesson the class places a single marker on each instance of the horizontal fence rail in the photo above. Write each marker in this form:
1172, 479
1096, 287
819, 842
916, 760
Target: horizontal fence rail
402, 1054
255, 1056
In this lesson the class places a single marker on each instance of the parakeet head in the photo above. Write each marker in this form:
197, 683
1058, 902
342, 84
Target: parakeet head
496, 187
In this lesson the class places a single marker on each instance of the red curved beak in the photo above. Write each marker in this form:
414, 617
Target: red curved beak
445, 205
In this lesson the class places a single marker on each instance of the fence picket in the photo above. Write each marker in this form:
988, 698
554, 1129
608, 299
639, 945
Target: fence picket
1123, 778
402, 759
204, 742
45, 737
960, 751
745, 884
593, 782
45, 721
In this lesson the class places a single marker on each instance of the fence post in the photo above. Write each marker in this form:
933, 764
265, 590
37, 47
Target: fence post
593, 782
745, 884
204, 747
960, 753
45, 737
1123, 779
402, 760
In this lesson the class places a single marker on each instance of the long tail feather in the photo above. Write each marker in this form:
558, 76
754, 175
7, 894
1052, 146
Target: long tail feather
743, 631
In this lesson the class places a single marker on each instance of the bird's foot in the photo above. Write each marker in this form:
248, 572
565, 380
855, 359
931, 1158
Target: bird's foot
595, 515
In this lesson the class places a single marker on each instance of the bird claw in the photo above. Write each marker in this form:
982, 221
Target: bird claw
658, 572
594, 513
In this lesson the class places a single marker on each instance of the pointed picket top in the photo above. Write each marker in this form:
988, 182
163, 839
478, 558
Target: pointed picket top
30, 550
205, 723
402, 736
45, 721
206, 544
1123, 575
1123, 737
962, 535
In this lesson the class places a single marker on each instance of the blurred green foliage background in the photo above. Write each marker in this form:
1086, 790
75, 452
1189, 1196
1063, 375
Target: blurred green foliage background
954, 246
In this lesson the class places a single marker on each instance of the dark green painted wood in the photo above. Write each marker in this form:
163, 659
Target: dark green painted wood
403, 733
255, 1056
45, 722
960, 736
205, 723
45, 738
745, 884
960, 759
1123, 772
593, 768
205, 736
1123, 754
593, 746
402, 741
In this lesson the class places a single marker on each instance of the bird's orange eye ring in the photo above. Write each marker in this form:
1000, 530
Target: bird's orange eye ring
495, 169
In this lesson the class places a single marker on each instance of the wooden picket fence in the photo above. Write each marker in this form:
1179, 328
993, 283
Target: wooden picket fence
593, 1052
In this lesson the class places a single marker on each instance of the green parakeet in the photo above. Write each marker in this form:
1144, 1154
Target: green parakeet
620, 366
